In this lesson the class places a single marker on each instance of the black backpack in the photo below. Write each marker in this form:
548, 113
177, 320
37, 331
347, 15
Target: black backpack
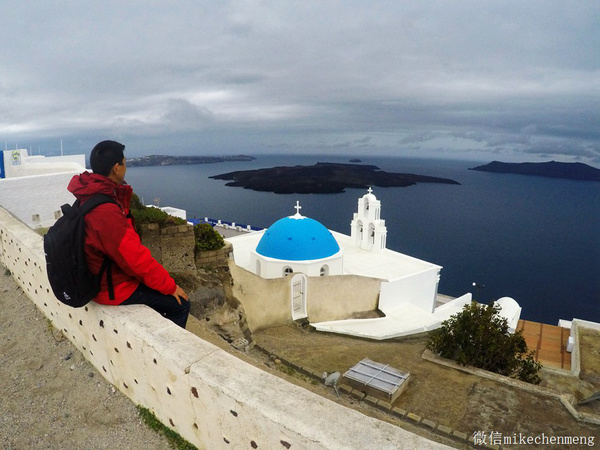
71, 280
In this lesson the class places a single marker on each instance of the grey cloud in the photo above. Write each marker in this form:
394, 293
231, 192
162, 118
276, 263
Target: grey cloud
499, 76
422, 136
564, 148
181, 114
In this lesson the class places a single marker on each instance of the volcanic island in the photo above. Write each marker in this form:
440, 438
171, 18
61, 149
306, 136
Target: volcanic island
551, 169
322, 178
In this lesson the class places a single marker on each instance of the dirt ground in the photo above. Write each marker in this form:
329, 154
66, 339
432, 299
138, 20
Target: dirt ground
460, 401
52, 397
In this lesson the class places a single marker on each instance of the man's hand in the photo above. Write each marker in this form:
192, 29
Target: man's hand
179, 294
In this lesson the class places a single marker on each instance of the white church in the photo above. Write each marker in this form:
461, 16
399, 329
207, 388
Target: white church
298, 269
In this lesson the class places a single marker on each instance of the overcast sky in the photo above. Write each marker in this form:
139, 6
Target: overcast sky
507, 80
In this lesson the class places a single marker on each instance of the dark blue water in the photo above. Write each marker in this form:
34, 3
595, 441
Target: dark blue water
534, 239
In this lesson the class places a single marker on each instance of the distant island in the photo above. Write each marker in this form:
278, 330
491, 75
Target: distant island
167, 160
322, 178
552, 169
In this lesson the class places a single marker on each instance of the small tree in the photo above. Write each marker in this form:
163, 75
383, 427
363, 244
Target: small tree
207, 238
478, 336
136, 203
144, 214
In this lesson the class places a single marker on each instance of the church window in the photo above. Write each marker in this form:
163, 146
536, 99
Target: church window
324, 271
287, 270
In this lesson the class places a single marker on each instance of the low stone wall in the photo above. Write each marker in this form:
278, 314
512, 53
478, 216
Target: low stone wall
214, 258
208, 396
173, 246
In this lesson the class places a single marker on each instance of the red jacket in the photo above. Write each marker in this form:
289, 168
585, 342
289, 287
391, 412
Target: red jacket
110, 232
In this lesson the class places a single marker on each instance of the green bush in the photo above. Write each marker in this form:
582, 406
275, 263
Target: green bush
155, 215
135, 202
143, 214
478, 336
207, 238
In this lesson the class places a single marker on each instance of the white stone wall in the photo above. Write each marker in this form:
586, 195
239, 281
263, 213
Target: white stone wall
268, 302
208, 396
420, 289
18, 163
270, 268
36, 200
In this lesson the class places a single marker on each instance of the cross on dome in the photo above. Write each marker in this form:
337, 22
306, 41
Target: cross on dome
370, 191
298, 208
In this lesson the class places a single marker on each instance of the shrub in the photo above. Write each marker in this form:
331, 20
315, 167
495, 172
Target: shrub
143, 214
135, 202
207, 238
478, 336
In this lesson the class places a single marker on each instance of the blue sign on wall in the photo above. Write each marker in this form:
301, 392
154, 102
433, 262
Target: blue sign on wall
2, 175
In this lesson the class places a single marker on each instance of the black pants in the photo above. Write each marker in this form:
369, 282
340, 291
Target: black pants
166, 305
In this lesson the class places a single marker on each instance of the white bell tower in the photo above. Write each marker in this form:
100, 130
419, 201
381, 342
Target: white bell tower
368, 230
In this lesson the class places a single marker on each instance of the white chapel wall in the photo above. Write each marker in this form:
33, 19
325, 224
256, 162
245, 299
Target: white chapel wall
341, 297
268, 303
419, 289
273, 268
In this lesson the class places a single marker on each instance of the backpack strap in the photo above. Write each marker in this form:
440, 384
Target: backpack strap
91, 203
107, 266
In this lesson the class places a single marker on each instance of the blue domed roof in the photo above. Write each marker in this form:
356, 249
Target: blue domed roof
297, 238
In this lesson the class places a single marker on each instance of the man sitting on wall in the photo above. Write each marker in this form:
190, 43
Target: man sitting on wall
137, 278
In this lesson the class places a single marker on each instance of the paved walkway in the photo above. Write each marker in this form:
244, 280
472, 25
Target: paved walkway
549, 343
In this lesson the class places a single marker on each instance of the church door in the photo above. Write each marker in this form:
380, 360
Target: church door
299, 282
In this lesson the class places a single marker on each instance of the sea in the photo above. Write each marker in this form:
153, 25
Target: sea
534, 239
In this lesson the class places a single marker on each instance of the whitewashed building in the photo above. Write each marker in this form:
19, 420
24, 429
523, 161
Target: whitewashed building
301, 270
33, 187
18, 163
